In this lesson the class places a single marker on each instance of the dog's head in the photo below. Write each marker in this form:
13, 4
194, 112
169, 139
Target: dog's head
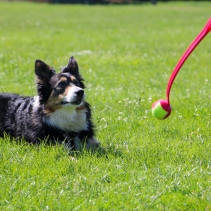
62, 90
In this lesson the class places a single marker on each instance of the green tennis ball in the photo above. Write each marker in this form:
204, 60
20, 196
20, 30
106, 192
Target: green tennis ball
161, 109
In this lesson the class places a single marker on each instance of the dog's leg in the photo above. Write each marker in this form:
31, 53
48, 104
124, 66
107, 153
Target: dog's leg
92, 143
77, 144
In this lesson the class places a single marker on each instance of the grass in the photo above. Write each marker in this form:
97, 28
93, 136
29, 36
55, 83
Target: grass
126, 54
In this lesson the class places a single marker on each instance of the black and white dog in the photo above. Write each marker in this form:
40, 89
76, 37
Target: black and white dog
58, 113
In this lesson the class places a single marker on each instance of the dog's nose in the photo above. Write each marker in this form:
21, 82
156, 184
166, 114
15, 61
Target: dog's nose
80, 93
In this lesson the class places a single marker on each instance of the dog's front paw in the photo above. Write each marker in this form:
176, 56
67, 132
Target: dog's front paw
92, 143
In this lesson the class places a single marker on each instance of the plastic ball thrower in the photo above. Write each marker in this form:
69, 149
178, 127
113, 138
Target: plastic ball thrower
161, 109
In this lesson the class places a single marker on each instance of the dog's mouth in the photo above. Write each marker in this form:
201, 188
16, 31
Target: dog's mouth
76, 102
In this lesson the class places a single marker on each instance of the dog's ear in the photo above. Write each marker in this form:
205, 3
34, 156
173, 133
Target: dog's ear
72, 67
44, 74
43, 71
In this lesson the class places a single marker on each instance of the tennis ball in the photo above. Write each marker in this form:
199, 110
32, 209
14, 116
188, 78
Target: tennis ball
161, 109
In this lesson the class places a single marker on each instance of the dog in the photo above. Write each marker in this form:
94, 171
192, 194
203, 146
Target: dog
58, 114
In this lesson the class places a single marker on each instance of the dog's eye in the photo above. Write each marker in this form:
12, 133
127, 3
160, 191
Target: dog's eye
61, 84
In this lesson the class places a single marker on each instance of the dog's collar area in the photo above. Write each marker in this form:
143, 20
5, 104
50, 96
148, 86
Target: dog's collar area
81, 107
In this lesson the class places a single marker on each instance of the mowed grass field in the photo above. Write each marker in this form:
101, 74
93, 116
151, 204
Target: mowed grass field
126, 55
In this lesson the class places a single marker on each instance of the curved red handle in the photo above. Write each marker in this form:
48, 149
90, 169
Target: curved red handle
196, 41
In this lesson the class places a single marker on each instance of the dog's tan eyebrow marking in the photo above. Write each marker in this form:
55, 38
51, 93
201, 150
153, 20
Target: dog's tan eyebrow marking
72, 78
63, 79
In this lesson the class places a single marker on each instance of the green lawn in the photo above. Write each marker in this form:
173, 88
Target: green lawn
126, 55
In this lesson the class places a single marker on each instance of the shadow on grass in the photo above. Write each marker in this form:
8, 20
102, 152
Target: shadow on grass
45, 144
99, 152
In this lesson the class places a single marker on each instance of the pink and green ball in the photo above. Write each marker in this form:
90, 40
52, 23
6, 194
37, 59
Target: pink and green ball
161, 109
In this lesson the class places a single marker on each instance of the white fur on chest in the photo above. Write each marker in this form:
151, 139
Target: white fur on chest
68, 120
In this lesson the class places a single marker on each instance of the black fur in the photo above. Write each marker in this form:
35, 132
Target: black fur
29, 117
